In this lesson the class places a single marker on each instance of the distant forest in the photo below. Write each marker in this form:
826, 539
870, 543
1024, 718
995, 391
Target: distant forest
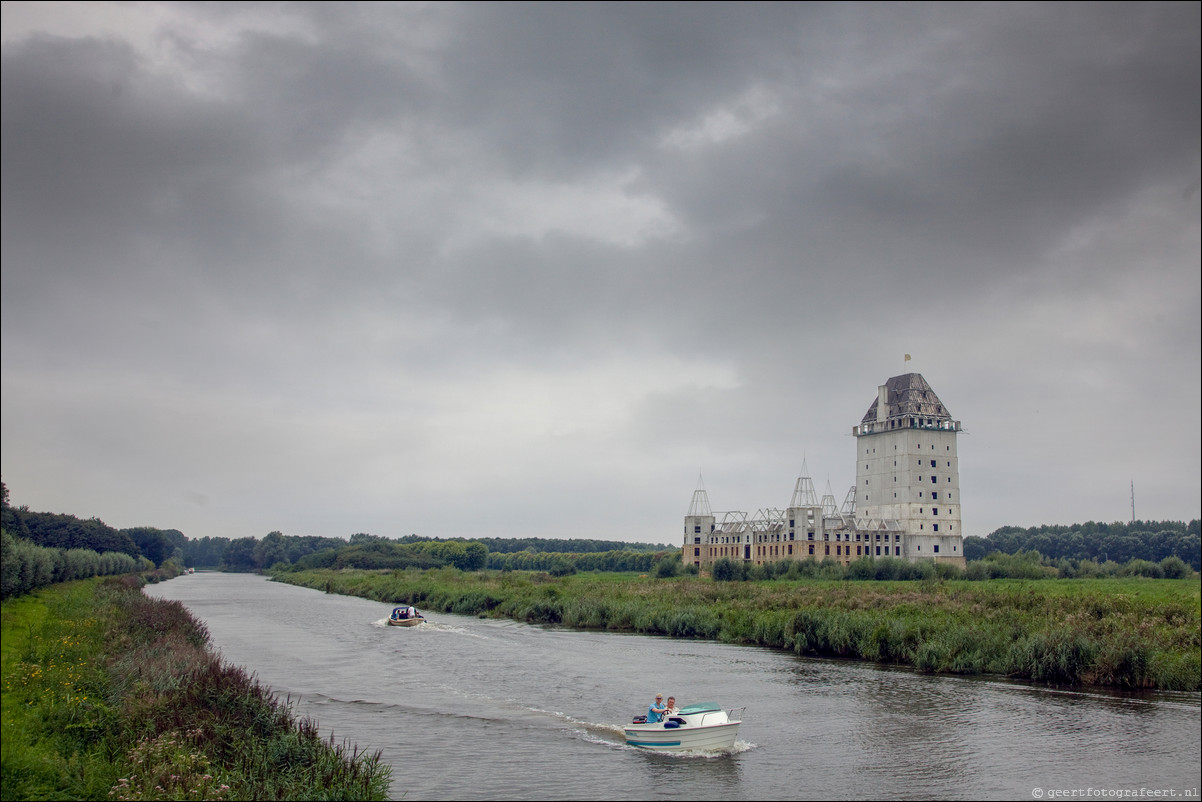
1151, 541
66, 532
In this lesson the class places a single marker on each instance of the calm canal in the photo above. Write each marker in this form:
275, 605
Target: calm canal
467, 708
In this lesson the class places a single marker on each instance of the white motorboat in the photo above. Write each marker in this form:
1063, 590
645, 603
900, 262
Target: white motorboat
704, 727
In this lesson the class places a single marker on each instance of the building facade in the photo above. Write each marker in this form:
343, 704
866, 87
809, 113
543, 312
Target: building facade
905, 503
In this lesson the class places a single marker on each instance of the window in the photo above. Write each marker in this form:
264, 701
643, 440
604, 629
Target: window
697, 530
934, 480
933, 463
936, 548
828, 550
935, 527
934, 510
934, 495
811, 548
696, 552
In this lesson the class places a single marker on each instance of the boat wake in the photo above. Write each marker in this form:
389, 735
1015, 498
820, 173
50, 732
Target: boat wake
428, 626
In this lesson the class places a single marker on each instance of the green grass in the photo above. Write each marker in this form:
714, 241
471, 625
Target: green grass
1125, 633
108, 694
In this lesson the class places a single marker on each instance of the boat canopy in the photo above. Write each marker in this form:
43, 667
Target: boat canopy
703, 707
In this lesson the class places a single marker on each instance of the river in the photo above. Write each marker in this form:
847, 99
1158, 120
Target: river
468, 708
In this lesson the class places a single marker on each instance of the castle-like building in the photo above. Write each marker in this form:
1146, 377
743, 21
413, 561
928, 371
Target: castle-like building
905, 502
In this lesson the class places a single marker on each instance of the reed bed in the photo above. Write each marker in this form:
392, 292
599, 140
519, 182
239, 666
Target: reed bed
112, 695
1124, 633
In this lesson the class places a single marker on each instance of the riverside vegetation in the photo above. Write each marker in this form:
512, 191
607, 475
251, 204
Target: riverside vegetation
108, 694
1130, 633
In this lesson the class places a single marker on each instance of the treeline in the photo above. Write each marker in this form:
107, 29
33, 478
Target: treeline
67, 533
565, 563
1149, 541
371, 552
298, 553
26, 566
540, 545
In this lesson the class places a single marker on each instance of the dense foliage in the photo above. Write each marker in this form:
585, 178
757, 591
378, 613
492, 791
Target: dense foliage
540, 545
1151, 541
25, 566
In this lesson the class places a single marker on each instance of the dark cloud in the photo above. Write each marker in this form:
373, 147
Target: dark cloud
344, 266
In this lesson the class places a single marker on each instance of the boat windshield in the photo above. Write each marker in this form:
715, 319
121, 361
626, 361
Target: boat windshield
703, 707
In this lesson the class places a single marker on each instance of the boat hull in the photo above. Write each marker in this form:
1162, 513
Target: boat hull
712, 738
405, 622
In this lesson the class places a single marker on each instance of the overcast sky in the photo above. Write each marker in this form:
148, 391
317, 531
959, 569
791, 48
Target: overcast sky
531, 270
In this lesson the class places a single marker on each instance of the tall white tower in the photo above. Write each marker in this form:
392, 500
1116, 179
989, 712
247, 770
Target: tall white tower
907, 469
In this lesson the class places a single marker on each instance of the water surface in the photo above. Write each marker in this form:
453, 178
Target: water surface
468, 708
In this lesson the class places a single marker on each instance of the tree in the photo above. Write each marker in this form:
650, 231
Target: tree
271, 550
154, 544
476, 557
240, 554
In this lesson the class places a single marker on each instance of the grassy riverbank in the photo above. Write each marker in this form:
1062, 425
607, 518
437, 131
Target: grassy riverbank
108, 694
1125, 633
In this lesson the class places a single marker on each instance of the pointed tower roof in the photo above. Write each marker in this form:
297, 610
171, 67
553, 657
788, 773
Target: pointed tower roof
828, 501
700, 504
804, 494
908, 394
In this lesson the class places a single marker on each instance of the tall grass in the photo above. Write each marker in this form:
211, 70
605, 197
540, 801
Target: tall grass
1128, 633
111, 695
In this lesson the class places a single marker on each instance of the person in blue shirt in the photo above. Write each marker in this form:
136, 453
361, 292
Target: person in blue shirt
656, 712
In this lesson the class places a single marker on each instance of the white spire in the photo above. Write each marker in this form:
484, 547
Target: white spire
804, 494
828, 501
701, 501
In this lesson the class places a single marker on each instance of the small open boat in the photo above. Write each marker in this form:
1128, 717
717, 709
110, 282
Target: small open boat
704, 727
405, 617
